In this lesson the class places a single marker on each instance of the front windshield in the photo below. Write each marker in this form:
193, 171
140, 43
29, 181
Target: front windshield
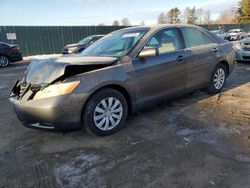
115, 44
85, 40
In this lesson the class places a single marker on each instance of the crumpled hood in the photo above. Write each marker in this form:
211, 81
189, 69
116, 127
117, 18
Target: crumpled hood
50, 70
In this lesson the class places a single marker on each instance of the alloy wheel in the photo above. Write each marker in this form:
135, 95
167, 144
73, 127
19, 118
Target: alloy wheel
4, 61
108, 113
219, 78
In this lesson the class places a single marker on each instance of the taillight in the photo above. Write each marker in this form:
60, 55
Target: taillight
15, 48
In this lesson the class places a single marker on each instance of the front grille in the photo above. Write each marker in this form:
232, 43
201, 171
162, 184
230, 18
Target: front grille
246, 49
246, 57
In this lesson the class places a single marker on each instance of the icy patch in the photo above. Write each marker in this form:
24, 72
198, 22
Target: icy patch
204, 136
242, 158
248, 68
185, 132
86, 170
6, 75
2, 87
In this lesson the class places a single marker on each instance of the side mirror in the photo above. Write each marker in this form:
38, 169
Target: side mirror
149, 52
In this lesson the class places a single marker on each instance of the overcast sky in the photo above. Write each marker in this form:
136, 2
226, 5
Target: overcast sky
93, 12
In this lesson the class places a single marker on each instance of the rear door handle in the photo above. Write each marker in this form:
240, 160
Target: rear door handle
180, 58
215, 49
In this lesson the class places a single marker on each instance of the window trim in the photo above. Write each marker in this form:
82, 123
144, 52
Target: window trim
204, 33
182, 42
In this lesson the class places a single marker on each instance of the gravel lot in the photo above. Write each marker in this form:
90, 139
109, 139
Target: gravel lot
197, 140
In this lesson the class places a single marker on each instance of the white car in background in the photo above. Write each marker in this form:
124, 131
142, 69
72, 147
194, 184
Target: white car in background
219, 33
236, 34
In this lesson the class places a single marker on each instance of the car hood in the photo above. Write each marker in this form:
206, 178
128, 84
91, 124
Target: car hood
232, 34
52, 70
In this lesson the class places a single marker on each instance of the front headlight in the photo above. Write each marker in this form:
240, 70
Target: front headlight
73, 49
56, 90
237, 46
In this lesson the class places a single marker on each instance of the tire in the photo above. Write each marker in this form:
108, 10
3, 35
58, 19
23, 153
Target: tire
103, 121
218, 79
4, 61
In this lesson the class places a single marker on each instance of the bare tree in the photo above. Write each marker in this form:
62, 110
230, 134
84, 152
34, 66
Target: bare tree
189, 15
226, 17
116, 23
142, 23
199, 13
125, 22
207, 17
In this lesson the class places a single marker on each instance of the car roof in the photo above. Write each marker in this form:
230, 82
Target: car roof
235, 29
158, 26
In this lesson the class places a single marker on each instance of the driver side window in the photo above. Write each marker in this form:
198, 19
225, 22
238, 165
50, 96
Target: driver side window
166, 40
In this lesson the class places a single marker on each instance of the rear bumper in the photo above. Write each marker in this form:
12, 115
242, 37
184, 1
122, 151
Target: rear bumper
16, 57
54, 113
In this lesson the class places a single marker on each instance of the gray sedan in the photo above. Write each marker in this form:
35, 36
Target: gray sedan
125, 71
243, 50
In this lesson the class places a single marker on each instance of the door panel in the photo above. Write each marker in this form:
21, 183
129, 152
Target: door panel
201, 55
200, 63
160, 76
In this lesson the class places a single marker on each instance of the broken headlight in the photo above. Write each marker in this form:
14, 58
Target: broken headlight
56, 90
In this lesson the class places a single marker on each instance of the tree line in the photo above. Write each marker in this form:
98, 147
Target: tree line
193, 15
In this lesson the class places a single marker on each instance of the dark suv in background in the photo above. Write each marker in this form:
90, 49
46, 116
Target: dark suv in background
81, 45
9, 53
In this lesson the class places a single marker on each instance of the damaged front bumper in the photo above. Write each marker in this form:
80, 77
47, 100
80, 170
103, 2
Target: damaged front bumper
54, 113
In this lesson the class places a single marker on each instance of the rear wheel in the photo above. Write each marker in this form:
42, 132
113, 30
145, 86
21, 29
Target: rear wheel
218, 79
105, 112
4, 61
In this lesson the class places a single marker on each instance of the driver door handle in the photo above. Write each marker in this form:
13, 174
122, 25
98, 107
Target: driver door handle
215, 49
180, 58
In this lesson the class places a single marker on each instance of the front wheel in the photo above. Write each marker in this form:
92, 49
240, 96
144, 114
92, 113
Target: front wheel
4, 61
105, 112
218, 79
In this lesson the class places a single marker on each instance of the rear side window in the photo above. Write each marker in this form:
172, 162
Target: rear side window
166, 40
194, 37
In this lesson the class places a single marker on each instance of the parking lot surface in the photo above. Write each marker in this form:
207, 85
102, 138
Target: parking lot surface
197, 140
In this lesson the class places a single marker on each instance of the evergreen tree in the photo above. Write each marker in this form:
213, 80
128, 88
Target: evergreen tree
243, 12
173, 16
162, 19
